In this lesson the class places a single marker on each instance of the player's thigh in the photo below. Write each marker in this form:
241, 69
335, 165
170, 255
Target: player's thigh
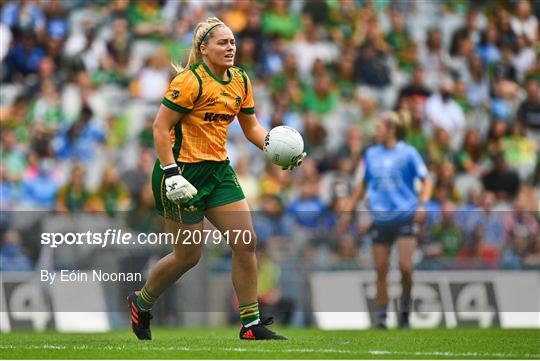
188, 238
235, 220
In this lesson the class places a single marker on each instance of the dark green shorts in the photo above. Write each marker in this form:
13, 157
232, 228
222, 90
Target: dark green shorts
216, 184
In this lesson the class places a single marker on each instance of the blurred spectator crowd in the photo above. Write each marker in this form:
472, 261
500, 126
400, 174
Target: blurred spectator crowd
81, 82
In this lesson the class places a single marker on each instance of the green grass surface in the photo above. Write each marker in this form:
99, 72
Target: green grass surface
302, 344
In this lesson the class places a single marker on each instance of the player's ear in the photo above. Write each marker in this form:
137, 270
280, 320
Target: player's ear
203, 49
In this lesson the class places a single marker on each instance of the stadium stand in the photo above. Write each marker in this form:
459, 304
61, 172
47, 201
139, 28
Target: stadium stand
82, 80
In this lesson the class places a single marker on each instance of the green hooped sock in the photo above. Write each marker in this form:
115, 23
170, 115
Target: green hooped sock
145, 300
249, 313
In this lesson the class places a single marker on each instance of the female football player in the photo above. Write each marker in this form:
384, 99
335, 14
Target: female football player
391, 166
192, 178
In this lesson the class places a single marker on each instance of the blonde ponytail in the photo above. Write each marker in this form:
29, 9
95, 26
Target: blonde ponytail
201, 35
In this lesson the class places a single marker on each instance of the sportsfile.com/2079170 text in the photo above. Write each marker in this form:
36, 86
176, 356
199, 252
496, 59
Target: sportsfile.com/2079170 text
121, 237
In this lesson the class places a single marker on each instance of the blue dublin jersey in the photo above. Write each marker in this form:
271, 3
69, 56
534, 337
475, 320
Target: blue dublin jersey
389, 177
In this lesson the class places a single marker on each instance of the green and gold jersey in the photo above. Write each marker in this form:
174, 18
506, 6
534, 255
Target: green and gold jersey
208, 105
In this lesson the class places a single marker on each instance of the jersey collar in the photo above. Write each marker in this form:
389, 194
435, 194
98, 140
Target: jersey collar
229, 72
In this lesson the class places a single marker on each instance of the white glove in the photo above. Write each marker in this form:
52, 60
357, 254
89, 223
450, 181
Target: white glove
179, 190
296, 161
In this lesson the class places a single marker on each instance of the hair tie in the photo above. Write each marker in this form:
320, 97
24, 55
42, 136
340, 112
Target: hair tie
204, 36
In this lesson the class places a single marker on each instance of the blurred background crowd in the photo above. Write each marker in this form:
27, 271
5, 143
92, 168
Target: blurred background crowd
81, 82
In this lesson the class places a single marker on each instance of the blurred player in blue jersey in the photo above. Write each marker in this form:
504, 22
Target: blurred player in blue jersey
391, 167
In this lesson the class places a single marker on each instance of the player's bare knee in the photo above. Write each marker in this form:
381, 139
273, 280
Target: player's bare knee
406, 268
244, 248
192, 260
382, 269
247, 245
187, 260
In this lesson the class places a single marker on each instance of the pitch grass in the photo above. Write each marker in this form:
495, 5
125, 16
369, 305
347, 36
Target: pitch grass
302, 344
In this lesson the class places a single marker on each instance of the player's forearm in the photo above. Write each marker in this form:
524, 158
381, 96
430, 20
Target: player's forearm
356, 197
252, 129
163, 145
427, 188
165, 120
256, 135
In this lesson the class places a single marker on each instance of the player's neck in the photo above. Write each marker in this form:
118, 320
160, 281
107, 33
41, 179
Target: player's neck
218, 72
390, 143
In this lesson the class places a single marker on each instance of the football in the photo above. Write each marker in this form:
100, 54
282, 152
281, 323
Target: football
283, 145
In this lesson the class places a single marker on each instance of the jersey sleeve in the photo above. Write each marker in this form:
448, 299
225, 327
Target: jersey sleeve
183, 92
248, 104
419, 168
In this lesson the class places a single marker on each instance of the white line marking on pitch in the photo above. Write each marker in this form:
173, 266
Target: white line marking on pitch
451, 354
239, 349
